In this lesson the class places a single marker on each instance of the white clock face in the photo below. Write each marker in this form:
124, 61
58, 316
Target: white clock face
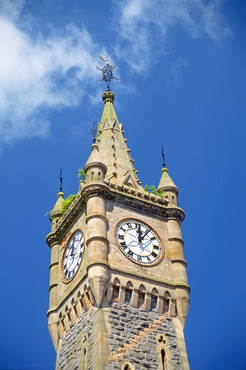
72, 256
138, 242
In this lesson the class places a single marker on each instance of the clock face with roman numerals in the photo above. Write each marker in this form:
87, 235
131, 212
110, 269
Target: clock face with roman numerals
72, 256
138, 242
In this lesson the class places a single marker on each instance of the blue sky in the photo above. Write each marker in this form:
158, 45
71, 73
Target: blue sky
183, 86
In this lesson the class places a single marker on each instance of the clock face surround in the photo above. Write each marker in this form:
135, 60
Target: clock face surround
139, 242
72, 256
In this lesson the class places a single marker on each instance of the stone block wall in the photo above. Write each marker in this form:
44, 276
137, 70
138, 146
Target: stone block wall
76, 349
137, 336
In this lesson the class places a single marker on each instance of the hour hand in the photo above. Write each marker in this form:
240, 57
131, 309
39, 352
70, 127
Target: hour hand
139, 234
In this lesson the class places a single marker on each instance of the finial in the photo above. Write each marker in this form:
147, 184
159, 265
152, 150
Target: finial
60, 179
163, 156
93, 131
107, 72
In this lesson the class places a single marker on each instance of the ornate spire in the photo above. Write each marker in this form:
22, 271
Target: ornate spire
166, 183
112, 146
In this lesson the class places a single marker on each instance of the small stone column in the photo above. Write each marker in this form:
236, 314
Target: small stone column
97, 222
54, 270
176, 255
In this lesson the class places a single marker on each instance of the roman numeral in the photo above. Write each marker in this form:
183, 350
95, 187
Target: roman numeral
129, 225
130, 253
156, 247
139, 258
123, 244
121, 237
154, 254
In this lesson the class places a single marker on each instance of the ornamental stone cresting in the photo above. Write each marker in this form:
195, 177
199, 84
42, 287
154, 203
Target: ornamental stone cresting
119, 294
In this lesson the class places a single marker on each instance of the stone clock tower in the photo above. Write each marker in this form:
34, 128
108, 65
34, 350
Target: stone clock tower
119, 294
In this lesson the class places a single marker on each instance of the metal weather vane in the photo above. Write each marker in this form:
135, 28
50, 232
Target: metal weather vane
61, 180
107, 72
163, 156
93, 131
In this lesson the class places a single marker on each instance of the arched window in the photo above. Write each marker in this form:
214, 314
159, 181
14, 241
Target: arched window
127, 366
153, 302
141, 296
128, 292
115, 294
154, 295
128, 295
163, 353
84, 352
116, 290
166, 302
163, 358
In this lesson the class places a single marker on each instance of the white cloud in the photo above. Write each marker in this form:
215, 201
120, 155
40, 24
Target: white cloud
144, 26
36, 76
174, 78
40, 73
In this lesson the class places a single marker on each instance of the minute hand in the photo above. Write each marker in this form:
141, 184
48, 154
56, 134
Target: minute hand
146, 232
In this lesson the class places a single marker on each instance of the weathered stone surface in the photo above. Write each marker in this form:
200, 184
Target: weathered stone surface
72, 344
143, 354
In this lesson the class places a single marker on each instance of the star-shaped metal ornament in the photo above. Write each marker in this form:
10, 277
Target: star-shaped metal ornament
107, 72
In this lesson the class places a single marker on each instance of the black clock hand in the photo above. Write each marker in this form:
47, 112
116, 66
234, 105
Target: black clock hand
146, 232
73, 248
139, 234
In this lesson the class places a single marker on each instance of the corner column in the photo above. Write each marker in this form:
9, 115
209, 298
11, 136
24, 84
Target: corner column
52, 315
176, 255
97, 244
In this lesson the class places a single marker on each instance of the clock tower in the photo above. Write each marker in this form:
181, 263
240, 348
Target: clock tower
119, 294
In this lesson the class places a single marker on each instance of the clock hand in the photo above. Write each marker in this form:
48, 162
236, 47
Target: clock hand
146, 232
132, 236
140, 238
131, 242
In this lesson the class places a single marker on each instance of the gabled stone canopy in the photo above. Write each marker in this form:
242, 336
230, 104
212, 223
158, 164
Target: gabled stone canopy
112, 147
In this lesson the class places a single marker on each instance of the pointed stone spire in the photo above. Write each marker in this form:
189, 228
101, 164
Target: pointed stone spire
112, 146
95, 169
56, 213
109, 115
166, 183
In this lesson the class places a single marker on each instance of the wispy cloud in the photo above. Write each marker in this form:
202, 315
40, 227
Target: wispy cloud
144, 27
174, 78
39, 75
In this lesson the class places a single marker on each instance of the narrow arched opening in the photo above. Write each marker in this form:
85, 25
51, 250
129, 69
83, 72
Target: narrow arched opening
163, 358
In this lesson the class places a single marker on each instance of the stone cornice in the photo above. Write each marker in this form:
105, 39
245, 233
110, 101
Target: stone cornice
123, 195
